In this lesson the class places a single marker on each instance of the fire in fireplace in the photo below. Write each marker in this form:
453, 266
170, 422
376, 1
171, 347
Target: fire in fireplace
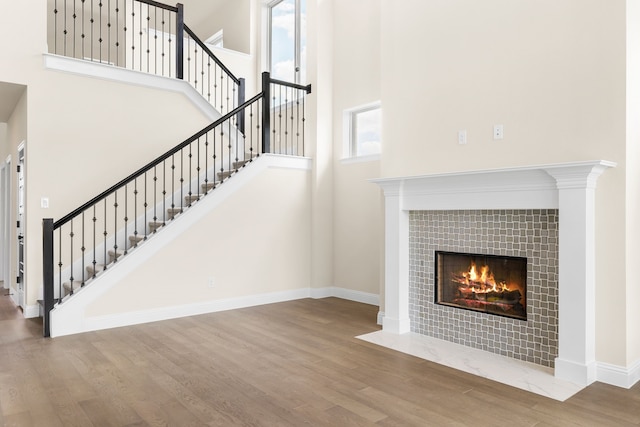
487, 283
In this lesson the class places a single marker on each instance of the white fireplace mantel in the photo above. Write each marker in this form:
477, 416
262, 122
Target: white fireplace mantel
568, 187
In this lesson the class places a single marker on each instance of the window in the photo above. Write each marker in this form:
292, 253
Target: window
363, 131
287, 40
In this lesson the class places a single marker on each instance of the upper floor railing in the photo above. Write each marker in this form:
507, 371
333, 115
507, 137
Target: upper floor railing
146, 36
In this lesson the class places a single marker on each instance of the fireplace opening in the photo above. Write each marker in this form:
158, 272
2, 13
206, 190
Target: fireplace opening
487, 283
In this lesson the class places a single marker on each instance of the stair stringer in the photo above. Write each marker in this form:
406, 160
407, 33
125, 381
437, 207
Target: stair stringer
71, 317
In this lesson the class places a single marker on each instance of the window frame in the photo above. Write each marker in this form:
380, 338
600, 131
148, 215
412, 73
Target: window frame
267, 19
350, 132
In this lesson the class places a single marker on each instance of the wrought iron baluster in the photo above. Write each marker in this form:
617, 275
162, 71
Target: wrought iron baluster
146, 224
173, 180
155, 192
83, 249
182, 180
55, 27
140, 32
108, 31
206, 161
100, 31
135, 213
118, 38
94, 262
115, 226
83, 35
60, 264
74, 28
71, 254
163, 33
126, 218
198, 168
148, 47
164, 190
190, 155
155, 40
104, 235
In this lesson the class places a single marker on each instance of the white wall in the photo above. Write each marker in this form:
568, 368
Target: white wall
552, 72
233, 17
357, 219
633, 177
256, 242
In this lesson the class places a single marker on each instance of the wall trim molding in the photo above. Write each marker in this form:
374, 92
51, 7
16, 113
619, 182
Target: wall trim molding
31, 311
96, 323
617, 375
132, 77
344, 293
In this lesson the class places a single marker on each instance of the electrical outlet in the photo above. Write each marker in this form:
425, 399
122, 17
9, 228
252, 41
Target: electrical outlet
498, 132
462, 137
211, 282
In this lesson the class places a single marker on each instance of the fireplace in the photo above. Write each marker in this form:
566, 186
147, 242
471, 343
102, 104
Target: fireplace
486, 283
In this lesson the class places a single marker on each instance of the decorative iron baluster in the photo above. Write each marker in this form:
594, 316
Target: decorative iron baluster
115, 226
71, 254
94, 241
104, 235
118, 39
83, 249
135, 213
126, 218
146, 224
60, 264
100, 32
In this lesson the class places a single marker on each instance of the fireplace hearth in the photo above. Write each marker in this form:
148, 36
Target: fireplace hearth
490, 284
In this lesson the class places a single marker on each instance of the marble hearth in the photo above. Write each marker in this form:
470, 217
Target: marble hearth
567, 187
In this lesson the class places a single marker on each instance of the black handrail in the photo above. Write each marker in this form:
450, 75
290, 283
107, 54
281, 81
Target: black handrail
211, 54
155, 162
306, 88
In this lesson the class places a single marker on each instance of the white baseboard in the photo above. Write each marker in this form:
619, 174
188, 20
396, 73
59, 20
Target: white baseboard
166, 313
348, 294
380, 317
31, 311
59, 327
618, 375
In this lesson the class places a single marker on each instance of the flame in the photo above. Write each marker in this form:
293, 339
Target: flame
484, 281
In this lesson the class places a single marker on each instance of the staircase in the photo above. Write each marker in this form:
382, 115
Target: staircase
79, 247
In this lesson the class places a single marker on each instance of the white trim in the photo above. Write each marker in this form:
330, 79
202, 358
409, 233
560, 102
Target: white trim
569, 187
360, 159
348, 156
344, 293
31, 311
137, 78
380, 317
618, 375
165, 313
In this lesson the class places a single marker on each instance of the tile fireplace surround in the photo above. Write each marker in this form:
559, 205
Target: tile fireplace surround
568, 187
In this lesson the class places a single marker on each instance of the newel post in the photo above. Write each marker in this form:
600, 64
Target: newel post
241, 99
47, 273
180, 42
266, 112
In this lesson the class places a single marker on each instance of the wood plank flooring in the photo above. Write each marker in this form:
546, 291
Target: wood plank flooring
289, 364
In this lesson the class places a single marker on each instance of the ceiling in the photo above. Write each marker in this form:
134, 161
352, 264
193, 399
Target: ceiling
10, 94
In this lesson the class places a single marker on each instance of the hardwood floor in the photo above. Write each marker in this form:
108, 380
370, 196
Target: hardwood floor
289, 364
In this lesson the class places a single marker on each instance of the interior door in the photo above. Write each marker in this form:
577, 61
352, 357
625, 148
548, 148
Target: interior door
20, 224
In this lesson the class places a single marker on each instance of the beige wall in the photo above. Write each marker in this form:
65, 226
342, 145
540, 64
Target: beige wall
233, 17
633, 177
256, 241
357, 218
552, 72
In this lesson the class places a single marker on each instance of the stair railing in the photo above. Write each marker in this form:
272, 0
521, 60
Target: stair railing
146, 36
90, 240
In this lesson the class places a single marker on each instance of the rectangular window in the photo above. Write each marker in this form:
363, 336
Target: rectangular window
363, 131
287, 40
